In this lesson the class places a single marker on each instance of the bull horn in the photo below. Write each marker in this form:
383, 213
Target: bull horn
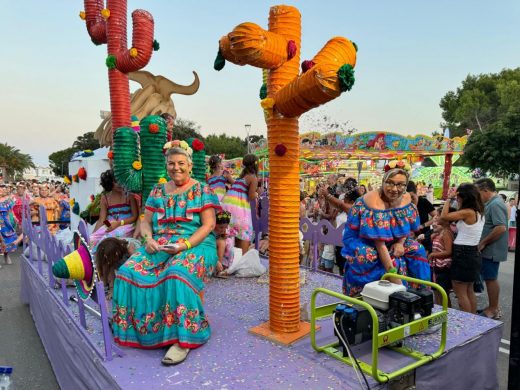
142, 77
168, 87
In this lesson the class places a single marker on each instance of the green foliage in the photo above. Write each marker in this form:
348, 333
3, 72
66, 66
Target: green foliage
13, 161
184, 129
489, 105
222, 144
59, 160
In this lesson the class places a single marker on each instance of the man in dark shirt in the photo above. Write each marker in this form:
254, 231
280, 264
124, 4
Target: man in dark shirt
426, 210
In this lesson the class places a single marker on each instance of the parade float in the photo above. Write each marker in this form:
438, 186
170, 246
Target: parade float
73, 323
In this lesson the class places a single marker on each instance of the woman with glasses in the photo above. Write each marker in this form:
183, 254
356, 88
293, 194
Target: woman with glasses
378, 237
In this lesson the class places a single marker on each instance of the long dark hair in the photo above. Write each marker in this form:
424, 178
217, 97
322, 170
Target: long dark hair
107, 180
470, 197
110, 256
213, 163
250, 165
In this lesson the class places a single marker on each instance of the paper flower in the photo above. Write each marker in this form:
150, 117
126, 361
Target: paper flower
399, 164
82, 15
162, 180
156, 45
82, 173
291, 49
133, 52
110, 155
72, 201
267, 103
137, 165
197, 145
66, 180
105, 13
280, 149
153, 128
306, 65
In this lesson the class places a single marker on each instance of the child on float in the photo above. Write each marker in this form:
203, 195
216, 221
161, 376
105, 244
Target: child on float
219, 178
111, 253
225, 243
440, 257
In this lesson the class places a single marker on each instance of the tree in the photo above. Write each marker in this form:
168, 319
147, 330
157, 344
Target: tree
86, 141
13, 162
489, 106
184, 129
222, 144
60, 161
321, 122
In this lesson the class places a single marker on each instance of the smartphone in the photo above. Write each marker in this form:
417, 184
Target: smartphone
169, 246
106, 222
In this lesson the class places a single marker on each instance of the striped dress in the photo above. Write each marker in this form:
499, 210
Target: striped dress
236, 201
218, 186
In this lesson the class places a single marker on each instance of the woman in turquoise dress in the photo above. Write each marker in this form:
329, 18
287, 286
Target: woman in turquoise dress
157, 298
379, 234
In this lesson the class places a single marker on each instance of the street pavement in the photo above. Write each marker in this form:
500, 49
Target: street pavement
21, 348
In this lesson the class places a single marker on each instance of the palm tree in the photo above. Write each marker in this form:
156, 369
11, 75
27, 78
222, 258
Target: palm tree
13, 162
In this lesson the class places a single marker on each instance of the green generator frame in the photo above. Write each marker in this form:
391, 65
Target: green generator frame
386, 338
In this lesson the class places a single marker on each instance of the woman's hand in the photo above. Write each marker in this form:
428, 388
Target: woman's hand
152, 246
113, 226
174, 249
397, 249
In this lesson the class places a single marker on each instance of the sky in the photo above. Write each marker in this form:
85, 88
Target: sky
411, 53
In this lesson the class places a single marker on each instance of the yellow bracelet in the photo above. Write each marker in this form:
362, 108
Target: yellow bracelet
122, 222
188, 244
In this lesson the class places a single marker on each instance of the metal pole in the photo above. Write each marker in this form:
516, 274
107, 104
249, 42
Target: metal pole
248, 128
514, 352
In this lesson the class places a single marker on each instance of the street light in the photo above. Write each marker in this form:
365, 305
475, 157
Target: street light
248, 128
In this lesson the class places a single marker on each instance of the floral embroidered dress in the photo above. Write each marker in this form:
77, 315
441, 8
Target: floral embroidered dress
364, 226
8, 224
236, 201
156, 299
115, 212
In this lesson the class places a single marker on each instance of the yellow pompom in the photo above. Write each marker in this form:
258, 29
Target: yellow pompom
137, 165
133, 52
71, 202
105, 13
66, 180
82, 15
162, 180
267, 103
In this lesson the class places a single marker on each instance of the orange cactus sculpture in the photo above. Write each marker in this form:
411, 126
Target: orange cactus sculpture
289, 94
108, 25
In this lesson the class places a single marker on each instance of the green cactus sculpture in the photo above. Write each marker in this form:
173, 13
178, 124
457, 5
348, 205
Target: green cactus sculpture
138, 156
199, 159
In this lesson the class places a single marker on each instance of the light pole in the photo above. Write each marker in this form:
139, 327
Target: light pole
248, 128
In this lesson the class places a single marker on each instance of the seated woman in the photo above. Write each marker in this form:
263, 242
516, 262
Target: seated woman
378, 236
118, 212
157, 292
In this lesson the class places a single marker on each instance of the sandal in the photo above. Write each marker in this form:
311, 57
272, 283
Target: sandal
222, 275
175, 355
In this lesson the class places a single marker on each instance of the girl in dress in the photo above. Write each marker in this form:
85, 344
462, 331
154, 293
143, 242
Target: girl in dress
225, 243
218, 177
118, 212
237, 199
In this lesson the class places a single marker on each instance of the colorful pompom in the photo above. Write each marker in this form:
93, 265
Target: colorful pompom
133, 52
346, 77
82, 173
162, 180
66, 180
263, 91
197, 145
137, 165
280, 150
110, 62
153, 128
82, 15
306, 65
110, 155
267, 103
156, 45
105, 13
291, 49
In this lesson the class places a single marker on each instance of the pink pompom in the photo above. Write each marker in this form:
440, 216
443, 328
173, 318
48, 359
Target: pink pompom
291, 49
280, 150
306, 65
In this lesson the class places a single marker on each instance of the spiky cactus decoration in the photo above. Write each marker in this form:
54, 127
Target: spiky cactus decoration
198, 158
108, 25
138, 156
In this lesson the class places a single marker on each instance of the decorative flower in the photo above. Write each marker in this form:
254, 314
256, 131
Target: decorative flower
291, 49
66, 180
137, 165
184, 145
306, 65
82, 173
110, 155
197, 145
133, 52
72, 201
82, 15
267, 103
105, 13
400, 164
153, 128
280, 150
92, 197
110, 61
75, 178
156, 45
162, 180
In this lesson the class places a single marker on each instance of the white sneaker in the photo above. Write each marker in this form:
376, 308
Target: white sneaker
175, 355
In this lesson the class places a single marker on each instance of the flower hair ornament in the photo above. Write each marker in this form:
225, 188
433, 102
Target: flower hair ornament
178, 144
398, 164
223, 217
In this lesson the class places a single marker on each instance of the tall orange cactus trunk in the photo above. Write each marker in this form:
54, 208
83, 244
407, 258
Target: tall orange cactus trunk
284, 196
109, 26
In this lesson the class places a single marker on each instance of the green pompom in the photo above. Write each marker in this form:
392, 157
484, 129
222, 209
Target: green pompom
110, 62
346, 77
156, 45
263, 91
355, 46
75, 208
220, 61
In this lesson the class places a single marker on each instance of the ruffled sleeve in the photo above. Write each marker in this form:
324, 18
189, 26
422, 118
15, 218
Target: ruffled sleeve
201, 197
354, 216
155, 202
386, 225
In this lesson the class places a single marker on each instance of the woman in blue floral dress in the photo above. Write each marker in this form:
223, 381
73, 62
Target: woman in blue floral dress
8, 224
157, 292
378, 237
